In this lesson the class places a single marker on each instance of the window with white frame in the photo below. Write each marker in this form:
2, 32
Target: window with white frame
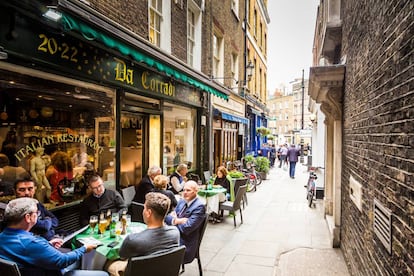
190, 37
235, 6
234, 70
218, 57
286, 104
155, 19
280, 105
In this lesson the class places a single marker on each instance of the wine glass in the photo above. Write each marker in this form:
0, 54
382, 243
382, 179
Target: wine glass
93, 221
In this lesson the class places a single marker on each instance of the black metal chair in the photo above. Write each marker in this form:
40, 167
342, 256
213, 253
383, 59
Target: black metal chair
135, 210
235, 205
161, 264
9, 268
128, 194
202, 230
207, 176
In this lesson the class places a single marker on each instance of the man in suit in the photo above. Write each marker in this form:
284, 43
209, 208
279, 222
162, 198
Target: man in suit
146, 184
189, 215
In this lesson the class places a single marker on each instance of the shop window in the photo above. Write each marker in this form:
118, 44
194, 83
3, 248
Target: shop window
54, 129
180, 137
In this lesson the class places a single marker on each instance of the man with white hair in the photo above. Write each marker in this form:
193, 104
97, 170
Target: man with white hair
188, 216
34, 254
146, 184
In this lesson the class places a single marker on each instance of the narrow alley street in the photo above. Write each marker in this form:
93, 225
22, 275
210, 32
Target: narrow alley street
280, 235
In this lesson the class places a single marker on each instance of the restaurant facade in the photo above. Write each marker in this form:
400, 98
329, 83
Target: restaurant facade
85, 81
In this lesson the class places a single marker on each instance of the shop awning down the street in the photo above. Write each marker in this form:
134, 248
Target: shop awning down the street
230, 117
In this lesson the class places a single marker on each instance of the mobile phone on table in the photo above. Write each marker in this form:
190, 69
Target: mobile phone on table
113, 244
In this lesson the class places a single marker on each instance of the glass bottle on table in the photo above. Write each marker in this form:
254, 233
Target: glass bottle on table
112, 227
108, 218
124, 223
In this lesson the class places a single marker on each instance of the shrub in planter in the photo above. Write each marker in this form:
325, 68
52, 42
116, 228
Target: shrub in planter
262, 164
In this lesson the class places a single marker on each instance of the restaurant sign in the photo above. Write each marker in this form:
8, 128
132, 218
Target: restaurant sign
44, 46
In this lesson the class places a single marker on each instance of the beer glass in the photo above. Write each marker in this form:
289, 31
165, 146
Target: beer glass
93, 221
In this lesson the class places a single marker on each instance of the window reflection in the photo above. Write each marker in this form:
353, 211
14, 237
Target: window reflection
179, 137
63, 131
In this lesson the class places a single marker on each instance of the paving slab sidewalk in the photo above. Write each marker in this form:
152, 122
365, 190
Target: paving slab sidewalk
280, 235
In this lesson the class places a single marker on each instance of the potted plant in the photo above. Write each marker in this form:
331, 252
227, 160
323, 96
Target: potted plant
262, 166
263, 131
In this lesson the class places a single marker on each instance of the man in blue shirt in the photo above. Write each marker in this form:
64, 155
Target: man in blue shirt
31, 253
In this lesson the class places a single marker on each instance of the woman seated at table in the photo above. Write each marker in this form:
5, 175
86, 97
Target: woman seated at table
221, 179
160, 184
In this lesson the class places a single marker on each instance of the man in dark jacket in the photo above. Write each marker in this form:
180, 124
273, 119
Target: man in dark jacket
292, 158
146, 184
46, 221
100, 200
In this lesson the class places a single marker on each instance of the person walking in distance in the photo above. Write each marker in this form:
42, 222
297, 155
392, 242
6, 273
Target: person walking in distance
292, 158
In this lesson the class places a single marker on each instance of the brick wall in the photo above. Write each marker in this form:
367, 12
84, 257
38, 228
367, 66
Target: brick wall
218, 15
132, 15
378, 128
179, 30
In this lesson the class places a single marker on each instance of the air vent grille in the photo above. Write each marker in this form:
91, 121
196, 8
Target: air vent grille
382, 225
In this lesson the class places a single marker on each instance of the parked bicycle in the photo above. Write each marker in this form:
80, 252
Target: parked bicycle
311, 189
311, 186
253, 177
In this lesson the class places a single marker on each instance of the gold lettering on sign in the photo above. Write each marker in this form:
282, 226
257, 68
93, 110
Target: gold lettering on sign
155, 85
59, 138
122, 73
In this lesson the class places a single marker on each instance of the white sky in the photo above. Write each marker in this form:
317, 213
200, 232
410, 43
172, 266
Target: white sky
290, 40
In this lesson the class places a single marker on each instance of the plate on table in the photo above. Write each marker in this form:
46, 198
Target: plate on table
217, 186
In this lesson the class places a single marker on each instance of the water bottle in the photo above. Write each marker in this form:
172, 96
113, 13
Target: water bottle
210, 183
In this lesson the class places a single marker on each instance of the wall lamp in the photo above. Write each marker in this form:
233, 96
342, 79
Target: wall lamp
312, 117
52, 14
3, 54
249, 70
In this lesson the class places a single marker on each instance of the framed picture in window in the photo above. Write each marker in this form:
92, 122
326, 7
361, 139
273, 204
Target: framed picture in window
167, 137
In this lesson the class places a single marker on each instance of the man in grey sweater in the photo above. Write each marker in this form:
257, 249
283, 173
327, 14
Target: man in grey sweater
155, 239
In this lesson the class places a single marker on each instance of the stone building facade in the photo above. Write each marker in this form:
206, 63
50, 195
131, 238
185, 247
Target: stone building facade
363, 80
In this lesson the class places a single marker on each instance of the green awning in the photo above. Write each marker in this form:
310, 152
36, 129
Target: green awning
71, 24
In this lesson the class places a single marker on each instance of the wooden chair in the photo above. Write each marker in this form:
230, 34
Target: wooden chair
136, 211
202, 230
162, 264
9, 268
235, 205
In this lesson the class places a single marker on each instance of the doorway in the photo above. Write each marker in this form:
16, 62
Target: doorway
134, 133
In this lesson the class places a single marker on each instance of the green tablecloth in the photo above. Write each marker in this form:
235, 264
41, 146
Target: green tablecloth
108, 252
212, 192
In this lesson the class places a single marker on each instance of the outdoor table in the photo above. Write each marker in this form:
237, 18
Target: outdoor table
212, 198
96, 259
